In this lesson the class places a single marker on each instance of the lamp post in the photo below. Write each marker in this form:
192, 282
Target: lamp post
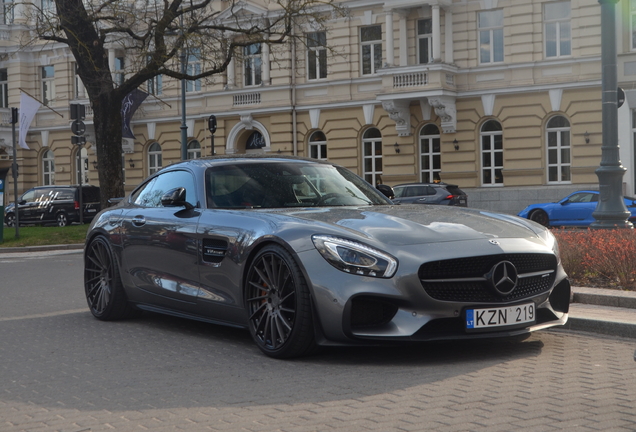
184, 126
611, 211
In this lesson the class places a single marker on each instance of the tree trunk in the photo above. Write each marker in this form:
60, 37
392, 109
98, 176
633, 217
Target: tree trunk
107, 123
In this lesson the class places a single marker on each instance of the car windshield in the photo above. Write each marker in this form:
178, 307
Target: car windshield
286, 184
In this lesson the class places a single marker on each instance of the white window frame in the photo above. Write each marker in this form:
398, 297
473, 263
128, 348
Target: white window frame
426, 38
559, 25
194, 149
430, 154
559, 135
490, 25
155, 159
316, 56
318, 145
194, 68
374, 46
372, 154
493, 139
119, 75
48, 168
48, 84
4, 88
253, 65
632, 23
8, 15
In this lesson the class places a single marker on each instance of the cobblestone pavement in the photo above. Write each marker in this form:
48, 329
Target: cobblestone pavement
62, 370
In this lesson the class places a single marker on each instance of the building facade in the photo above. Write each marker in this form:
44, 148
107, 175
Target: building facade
500, 97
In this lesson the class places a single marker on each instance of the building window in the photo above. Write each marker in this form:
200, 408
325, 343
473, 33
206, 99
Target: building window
4, 89
371, 49
48, 84
316, 55
491, 153
48, 168
632, 19
491, 36
424, 41
194, 68
48, 7
318, 145
253, 64
256, 141
559, 159
79, 92
154, 158
558, 37
194, 149
119, 76
372, 156
430, 157
7, 12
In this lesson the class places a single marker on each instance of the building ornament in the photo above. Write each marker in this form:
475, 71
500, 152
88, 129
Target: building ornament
400, 113
445, 109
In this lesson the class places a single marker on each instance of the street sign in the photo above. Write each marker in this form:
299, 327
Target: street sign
620, 97
78, 127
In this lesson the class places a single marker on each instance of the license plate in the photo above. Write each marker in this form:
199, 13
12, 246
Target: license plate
91, 210
500, 316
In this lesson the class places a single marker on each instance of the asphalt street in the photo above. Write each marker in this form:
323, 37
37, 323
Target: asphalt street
62, 370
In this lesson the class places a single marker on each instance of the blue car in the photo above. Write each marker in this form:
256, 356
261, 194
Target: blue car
574, 210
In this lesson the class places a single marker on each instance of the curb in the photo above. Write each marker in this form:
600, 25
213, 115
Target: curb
41, 248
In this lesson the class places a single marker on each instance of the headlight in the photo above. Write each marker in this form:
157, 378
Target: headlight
356, 258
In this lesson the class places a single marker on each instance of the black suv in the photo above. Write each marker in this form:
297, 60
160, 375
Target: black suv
57, 205
430, 193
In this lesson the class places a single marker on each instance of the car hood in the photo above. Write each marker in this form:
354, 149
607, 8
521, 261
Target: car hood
416, 224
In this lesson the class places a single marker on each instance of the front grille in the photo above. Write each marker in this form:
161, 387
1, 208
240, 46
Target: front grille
442, 280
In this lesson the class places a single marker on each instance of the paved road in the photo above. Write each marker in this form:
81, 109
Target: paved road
62, 370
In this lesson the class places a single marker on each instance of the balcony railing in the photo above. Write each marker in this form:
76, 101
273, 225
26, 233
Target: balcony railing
411, 79
247, 99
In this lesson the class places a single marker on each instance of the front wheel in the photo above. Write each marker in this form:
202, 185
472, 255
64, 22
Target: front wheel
278, 305
102, 282
61, 219
541, 217
10, 220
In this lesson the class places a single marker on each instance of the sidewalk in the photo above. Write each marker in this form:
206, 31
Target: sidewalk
604, 311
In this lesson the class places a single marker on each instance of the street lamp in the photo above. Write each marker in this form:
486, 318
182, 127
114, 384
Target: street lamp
611, 211
184, 126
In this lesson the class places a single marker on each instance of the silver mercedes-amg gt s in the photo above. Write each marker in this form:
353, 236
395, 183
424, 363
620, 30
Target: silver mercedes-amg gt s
305, 253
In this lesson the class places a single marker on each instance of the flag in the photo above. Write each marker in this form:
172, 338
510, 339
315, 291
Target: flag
28, 108
128, 107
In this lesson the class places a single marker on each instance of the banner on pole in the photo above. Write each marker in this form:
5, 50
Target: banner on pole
128, 107
28, 108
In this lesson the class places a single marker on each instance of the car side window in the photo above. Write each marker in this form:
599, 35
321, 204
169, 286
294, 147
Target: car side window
150, 195
28, 196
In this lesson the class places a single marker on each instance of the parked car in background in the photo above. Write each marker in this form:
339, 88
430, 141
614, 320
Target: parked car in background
430, 193
59, 205
574, 210
303, 253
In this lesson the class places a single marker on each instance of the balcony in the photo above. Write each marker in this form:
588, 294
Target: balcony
406, 79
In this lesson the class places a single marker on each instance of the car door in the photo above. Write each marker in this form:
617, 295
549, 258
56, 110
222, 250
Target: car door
26, 206
159, 250
575, 210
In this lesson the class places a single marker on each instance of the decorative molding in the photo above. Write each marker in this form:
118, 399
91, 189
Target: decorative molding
152, 128
555, 99
446, 110
247, 122
190, 125
426, 109
128, 145
314, 118
369, 111
45, 138
488, 102
400, 113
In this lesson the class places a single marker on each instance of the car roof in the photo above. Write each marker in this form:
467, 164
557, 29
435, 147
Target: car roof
427, 184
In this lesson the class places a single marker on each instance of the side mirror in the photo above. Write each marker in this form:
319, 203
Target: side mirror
386, 190
176, 198
22, 202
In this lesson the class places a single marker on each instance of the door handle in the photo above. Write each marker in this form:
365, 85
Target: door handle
139, 221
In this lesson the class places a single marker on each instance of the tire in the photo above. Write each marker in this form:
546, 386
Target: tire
61, 219
10, 220
102, 283
279, 305
540, 217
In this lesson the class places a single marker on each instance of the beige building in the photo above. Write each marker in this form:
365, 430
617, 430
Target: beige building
501, 97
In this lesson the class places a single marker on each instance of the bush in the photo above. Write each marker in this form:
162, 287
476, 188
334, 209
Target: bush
605, 258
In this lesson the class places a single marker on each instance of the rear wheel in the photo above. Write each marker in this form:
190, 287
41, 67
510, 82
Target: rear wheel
10, 220
102, 283
541, 217
61, 219
278, 304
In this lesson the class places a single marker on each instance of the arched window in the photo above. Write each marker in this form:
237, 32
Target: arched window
194, 149
255, 141
491, 153
372, 156
318, 145
48, 168
430, 159
558, 147
155, 161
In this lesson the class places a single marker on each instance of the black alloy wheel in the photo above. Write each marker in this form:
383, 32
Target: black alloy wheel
541, 217
10, 220
61, 220
102, 282
278, 304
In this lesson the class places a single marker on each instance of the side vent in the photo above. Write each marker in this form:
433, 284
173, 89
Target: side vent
214, 250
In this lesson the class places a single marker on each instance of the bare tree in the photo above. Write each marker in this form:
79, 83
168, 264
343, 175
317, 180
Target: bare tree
154, 34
